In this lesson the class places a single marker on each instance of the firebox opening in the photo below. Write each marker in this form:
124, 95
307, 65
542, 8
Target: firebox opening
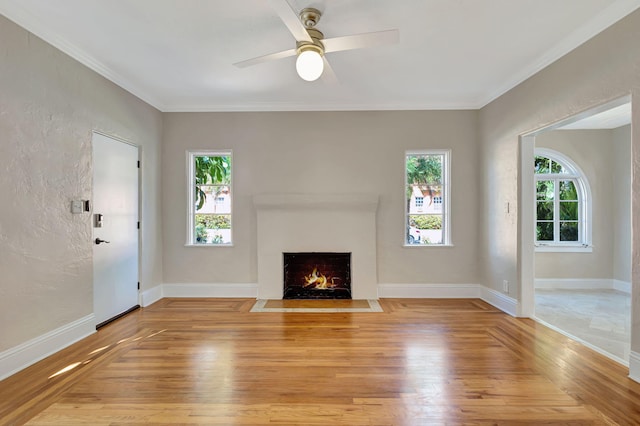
317, 275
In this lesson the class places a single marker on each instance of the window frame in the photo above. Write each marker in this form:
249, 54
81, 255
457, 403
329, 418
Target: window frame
191, 183
577, 176
446, 196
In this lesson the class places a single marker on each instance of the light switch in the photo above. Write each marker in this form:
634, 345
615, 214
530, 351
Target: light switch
77, 206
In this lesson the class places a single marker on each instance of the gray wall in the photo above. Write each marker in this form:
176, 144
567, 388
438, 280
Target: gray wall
49, 105
622, 203
322, 152
605, 68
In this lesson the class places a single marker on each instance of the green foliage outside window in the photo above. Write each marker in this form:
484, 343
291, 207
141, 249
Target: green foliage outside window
426, 221
557, 203
545, 165
214, 221
212, 199
214, 170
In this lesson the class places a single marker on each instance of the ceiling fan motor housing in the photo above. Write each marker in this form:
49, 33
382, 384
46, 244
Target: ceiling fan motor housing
316, 45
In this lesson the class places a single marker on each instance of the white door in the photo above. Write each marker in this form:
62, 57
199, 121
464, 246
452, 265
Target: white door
115, 227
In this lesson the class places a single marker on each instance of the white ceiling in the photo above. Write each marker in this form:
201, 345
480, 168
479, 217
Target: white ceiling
177, 55
610, 119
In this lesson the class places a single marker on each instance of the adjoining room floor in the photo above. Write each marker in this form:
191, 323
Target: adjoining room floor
600, 318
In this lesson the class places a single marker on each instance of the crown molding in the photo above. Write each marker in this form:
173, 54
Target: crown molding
576, 38
24, 19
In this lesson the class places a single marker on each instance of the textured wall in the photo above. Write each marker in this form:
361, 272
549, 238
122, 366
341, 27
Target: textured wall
622, 203
322, 152
49, 105
605, 68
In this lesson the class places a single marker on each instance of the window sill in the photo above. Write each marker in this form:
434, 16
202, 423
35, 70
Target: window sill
564, 249
427, 245
208, 245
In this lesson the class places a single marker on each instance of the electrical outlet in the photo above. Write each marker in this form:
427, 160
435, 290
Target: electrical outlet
505, 286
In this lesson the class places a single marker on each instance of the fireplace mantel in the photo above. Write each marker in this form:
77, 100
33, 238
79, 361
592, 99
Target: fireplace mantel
360, 202
316, 223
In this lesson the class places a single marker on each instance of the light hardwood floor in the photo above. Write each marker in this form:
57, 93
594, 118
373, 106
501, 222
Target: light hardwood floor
420, 362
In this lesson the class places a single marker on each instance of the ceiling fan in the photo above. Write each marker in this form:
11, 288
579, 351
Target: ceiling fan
311, 46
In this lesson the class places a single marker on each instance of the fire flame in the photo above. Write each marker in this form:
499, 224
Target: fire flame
318, 280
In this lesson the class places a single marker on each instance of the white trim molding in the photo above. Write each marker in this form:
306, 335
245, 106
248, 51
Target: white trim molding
634, 366
429, 291
500, 300
564, 249
623, 286
210, 290
161, 291
151, 296
582, 284
34, 350
493, 297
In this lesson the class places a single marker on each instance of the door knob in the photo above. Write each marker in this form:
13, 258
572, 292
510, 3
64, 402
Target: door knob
98, 241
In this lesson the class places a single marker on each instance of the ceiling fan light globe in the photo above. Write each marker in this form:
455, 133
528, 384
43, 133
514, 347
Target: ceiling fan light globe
309, 65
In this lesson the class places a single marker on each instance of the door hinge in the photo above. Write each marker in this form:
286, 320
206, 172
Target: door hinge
138, 163
138, 224
138, 285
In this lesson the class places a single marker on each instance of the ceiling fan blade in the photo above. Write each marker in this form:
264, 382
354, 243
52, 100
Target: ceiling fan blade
328, 75
265, 58
358, 41
291, 19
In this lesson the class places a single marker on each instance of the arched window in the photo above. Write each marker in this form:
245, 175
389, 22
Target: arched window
563, 207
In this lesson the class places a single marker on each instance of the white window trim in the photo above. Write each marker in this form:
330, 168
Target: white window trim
585, 245
446, 194
190, 179
544, 248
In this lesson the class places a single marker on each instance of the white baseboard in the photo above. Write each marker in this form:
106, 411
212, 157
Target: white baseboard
623, 286
429, 291
634, 366
151, 296
34, 350
210, 290
582, 284
500, 300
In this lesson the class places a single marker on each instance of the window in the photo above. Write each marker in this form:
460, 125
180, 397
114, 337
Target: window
210, 195
437, 203
427, 198
561, 202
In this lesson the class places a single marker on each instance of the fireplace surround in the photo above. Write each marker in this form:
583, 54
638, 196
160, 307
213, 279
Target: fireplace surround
320, 223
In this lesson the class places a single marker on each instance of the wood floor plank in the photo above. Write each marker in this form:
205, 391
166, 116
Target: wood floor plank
421, 361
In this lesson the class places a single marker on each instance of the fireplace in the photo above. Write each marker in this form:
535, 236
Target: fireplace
317, 275
321, 223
